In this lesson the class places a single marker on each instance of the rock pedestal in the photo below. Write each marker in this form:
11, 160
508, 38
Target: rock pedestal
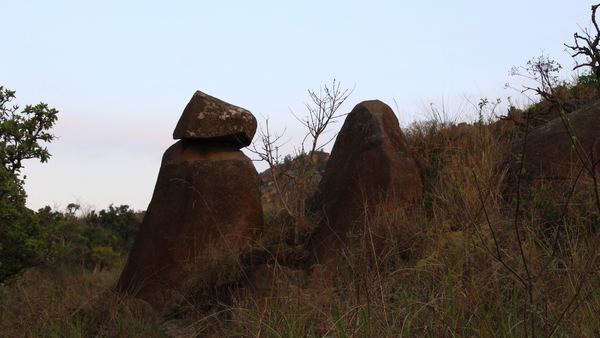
370, 166
206, 201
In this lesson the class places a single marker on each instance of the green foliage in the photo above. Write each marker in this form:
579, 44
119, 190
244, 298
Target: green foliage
122, 222
22, 131
28, 239
588, 81
104, 256
92, 241
98, 236
68, 245
22, 239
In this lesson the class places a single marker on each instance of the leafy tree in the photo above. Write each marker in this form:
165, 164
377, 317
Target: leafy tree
22, 132
65, 235
122, 222
22, 239
96, 240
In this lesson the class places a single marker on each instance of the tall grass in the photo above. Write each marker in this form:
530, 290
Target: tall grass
467, 262
64, 302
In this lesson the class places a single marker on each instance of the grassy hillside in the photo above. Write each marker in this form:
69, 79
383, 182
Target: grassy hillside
466, 262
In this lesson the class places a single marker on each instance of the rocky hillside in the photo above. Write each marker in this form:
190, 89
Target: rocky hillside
287, 169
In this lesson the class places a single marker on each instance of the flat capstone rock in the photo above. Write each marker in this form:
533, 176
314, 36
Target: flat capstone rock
206, 117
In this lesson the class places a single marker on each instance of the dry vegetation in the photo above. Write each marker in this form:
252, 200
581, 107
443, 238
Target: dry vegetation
470, 261
464, 263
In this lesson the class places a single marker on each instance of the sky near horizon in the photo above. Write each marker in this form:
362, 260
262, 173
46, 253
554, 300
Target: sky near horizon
121, 72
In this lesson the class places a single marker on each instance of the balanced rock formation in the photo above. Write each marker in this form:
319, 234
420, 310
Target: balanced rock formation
206, 117
548, 154
206, 201
370, 167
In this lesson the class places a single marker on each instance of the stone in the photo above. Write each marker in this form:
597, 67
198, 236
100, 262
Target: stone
206, 207
206, 117
549, 155
370, 166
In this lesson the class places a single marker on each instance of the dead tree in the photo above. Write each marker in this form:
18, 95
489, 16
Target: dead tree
587, 45
295, 183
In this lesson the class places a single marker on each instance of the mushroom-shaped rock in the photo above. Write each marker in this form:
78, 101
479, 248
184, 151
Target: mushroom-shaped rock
206, 204
206, 117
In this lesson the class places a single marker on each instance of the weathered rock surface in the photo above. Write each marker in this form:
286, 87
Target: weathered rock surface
206, 202
210, 118
549, 155
370, 165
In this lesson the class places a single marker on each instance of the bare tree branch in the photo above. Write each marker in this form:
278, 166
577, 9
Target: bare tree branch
589, 47
293, 179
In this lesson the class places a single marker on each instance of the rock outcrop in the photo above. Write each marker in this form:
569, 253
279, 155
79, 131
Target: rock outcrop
549, 153
270, 195
206, 201
370, 166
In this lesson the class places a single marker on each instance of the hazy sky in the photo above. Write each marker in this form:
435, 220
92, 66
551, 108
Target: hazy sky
121, 72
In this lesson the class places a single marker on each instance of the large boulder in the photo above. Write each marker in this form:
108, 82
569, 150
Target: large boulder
548, 153
207, 117
206, 206
370, 167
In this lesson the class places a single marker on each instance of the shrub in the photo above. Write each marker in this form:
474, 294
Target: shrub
22, 239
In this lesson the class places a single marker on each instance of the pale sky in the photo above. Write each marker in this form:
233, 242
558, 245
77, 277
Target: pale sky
121, 72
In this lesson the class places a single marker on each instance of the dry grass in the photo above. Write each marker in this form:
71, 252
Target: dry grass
67, 303
427, 271
466, 262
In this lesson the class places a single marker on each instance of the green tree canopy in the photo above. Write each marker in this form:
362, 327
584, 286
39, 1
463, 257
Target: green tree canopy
22, 238
122, 222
